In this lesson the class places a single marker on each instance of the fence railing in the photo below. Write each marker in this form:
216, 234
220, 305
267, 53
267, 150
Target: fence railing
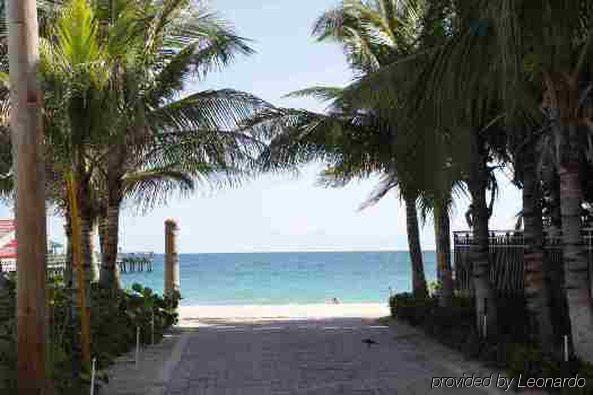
506, 258
56, 263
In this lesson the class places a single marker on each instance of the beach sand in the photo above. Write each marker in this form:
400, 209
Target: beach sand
203, 314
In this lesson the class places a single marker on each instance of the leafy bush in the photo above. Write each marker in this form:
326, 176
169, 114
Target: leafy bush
453, 322
406, 307
527, 359
455, 326
114, 319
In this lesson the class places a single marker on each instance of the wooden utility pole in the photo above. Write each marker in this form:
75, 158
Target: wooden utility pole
26, 126
171, 259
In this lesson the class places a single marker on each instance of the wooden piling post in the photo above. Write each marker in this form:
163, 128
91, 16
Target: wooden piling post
171, 259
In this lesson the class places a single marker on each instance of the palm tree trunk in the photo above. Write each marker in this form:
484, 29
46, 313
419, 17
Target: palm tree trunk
419, 288
68, 233
536, 287
86, 221
72, 286
110, 277
86, 248
94, 262
576, 285
30, 214
79, 282
485, 297
555, 212
110, 227
554, 264
443, 249
575, 263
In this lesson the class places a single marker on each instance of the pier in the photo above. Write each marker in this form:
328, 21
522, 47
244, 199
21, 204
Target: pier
56, 263
135, 262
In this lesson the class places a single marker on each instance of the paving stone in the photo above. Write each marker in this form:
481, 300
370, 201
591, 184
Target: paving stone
311, 358
297, 357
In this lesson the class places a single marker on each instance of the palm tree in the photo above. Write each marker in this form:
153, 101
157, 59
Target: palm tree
432, 89
374, 34
543, 56
118, 124
158, 136
553, 50
439, 205
354, 143
75, 69
506, 61
537, 292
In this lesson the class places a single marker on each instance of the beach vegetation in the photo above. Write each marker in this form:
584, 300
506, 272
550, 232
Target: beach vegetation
121, 123
447, 93
142, 135
359, 140
114, 320
502, 85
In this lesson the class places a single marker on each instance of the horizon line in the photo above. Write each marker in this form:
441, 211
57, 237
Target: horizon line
285, 251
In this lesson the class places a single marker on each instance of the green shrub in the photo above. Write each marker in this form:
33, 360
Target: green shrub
114, 319
513, 351
405, 306
527, 359
452, 323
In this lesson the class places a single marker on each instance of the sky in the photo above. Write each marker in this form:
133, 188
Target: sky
283, 212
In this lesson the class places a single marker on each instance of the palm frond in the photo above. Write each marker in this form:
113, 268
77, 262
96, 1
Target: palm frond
324, 93
197, 58
224, 109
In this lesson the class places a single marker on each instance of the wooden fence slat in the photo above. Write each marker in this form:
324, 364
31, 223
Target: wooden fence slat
506, 259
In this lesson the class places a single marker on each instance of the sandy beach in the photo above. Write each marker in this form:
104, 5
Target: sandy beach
192, 315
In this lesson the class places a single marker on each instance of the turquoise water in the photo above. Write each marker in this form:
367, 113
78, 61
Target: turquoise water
287, 277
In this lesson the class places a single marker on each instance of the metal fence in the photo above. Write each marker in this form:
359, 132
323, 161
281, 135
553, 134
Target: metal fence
506, 259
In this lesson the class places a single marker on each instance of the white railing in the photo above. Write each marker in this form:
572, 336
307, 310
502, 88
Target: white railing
56, 264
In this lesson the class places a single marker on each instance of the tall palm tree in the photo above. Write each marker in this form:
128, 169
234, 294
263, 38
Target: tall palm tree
440, 205
75, 70
374, 34
353, 143
157, 135
538, 295
553, 50
543, 56
515, 60
431, 87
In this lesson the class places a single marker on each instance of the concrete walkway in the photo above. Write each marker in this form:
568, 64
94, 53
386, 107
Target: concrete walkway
326, 356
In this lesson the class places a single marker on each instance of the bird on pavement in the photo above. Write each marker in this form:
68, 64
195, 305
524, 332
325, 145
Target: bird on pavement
369, 342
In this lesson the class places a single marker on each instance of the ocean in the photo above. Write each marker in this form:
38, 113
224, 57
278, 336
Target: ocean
287, 277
